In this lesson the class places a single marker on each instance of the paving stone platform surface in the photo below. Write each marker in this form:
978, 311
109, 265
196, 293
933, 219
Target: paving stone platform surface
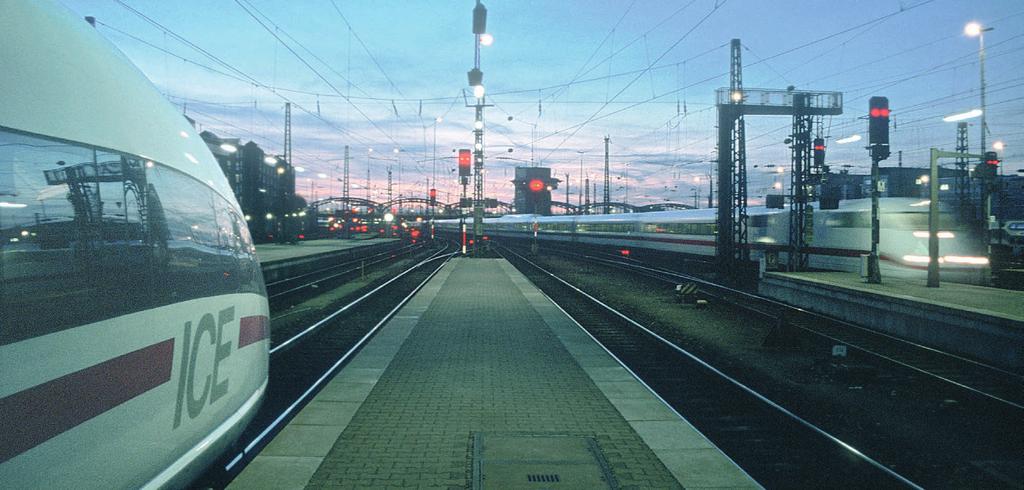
482, 355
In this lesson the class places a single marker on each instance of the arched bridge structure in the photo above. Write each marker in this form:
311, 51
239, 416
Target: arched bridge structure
664, 206
613, 208
418, 206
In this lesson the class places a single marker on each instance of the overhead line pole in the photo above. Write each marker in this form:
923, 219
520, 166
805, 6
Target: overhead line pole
607, 177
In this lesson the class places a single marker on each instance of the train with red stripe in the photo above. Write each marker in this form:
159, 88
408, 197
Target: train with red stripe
836, 238
133, 314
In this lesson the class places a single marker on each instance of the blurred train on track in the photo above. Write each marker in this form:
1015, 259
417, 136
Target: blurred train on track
837, 239
133, 315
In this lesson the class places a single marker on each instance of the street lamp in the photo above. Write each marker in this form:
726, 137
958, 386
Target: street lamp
974, 29
971, 114
849, 139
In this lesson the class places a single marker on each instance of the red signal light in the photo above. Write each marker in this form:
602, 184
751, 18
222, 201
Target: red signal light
879, 112
465, 161
991, 158
624, 252
536, 185
302, 237
433, 193
819, 147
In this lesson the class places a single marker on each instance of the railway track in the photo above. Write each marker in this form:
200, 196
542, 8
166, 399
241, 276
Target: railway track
956, 373
302, 361
283, 291
775, 446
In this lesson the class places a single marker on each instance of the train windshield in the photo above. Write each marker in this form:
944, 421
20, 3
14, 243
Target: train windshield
88, 234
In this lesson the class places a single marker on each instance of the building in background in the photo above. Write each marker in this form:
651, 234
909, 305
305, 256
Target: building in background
264, 185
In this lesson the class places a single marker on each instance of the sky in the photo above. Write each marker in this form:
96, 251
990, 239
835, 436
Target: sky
377, 75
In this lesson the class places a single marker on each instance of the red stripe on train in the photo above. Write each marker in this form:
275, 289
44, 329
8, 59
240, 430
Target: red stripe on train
36, 415
252, 329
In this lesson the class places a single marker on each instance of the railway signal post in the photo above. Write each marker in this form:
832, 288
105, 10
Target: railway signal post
878, 146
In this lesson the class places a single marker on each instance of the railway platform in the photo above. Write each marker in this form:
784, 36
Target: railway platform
481, 381
981, 322
270, 253
279, 261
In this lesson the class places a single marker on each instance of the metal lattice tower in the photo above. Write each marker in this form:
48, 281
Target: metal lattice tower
390, 197
288, 132
733, 104
478, 170
607, 178
802, 156
586, 193
963, 179
739, 158
344, 178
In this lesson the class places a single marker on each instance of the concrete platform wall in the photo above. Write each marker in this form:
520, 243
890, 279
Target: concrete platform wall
992, 339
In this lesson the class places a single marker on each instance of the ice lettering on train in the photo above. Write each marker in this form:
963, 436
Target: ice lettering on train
212, 388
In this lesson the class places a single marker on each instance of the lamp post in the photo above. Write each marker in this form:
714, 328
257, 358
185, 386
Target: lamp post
973, 29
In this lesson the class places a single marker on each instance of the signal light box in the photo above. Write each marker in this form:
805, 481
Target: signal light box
878, 127
533, 190
465, 163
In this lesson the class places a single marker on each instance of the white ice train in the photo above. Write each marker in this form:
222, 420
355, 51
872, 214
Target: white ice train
837, 238
133, 316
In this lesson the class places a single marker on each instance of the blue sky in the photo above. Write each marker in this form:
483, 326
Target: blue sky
568, 72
